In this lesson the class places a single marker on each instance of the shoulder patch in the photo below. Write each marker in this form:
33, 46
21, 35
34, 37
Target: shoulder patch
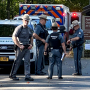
79, 32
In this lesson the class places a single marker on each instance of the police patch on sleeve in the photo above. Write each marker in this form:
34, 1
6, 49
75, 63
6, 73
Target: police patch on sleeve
79, 32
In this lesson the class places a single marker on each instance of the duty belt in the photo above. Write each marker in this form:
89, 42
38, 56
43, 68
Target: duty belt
25, 46
53, 48
76, 45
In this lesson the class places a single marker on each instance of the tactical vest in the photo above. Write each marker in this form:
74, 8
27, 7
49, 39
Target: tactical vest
54, 41
44, 34
24, 36
30, 35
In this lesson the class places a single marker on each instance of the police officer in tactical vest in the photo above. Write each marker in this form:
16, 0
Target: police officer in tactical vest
56, 43
77, 45
40, 34
23, 40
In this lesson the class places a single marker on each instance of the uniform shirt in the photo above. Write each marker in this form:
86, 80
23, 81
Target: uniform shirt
60, 38
38, 29
23, 34
78, 33
40, 32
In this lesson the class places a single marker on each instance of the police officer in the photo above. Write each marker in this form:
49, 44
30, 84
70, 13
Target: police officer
40, 35
77, 45
21, 38
55, 42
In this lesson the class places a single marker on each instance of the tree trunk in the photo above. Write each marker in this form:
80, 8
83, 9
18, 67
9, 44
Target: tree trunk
8, 9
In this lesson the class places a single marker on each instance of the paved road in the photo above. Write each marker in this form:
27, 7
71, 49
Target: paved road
68, 82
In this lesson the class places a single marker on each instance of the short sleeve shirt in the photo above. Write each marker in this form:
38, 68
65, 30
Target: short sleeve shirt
38, 29
79, 33
23, 34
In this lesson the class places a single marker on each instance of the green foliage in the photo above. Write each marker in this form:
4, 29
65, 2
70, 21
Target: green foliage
10, 8
76, 5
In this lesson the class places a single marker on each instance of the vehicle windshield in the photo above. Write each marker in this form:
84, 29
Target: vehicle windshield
6, 30
48, 23
17, 18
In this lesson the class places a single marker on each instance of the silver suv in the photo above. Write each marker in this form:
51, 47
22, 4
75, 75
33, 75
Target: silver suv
7, 54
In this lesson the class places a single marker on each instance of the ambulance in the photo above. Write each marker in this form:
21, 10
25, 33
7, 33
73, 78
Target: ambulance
7, 54
59, 12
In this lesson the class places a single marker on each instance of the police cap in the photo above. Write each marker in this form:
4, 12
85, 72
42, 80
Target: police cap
54, 24
26, 17
43, 16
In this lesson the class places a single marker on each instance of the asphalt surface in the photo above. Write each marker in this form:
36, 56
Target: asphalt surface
68, 82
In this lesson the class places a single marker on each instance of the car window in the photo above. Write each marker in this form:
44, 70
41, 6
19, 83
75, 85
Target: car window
19, 18
15, 19
6, 30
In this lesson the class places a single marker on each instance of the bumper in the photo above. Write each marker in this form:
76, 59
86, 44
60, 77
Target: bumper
11, 57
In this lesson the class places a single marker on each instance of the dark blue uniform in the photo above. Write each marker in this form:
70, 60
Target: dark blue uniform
39, 30
77, 49
55, 54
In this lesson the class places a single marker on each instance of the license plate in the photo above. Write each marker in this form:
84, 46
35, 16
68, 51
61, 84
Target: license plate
4, 58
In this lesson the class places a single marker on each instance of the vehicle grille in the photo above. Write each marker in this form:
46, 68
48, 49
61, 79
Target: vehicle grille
6, 48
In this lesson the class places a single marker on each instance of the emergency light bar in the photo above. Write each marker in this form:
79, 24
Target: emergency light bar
33, 7
25, 7
49, 8
57, 8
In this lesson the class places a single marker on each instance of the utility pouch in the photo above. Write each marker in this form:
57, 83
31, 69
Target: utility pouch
39, 43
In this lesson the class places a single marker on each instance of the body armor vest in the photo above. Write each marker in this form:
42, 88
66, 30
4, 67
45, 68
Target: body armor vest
54, 41
44, 34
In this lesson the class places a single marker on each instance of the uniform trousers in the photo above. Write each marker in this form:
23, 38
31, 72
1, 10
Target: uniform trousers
55, 56
40, 59
20, 54
77, 58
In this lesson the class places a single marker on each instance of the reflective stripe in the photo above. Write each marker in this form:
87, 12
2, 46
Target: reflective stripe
38, 11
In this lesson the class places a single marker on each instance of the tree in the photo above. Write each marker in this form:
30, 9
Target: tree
10, 8
76, 5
